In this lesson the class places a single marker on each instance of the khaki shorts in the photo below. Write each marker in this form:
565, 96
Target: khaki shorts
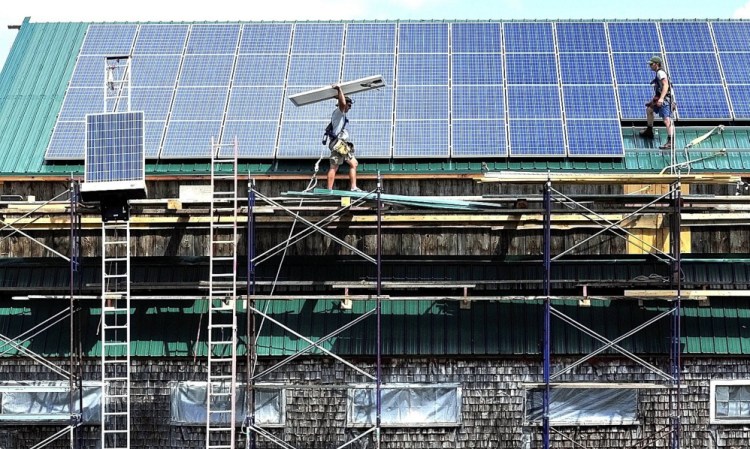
338, 158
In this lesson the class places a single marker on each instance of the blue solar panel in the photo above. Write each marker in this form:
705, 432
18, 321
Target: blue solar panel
154, 102
255, 139
316, 111
108, 40
371, 38
701, 102
590, 101
693, 68
595, 138
686, 37
81, 101
477, 68
585, 68
317, 38
472, 138
153, 70
213, 39
313, 70
199, 103
534, 102
423, 38
634, 37
360, 66
422, 102
523, 68
158, 39
204, 70
528, 37
89, 72
301, 139
633, 99
266, 38
732, 36
421, 138
536, 138
114, 147
423, 69
476, 38
255, 103
372, 138
154, 133
735, 67
740, 96
631, 68
581, 37
260, 70
477, 102
68, 139
190, 139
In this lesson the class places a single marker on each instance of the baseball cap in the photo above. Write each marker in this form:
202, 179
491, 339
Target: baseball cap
655, 59
349, 100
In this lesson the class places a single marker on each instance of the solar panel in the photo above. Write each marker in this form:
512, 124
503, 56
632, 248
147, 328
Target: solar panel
740, 96
732, 36
255, 103
114, 150
266, 38
528, 37
421, 102
199, 103
152, 71
634, 37
81, 101
154, 131
587, 37
477, 68
301, 139
318, 38
594, 138
213, 39
372, 138
423, 69
591, 102
536, 138
369, 38
358, 66
256, 139
153, 101
473, 138
313, 70
204, 70
686, 37
421, 139
476, 38
260, 70
693, 68
108, 40
67, 141
534, 102
189, 139
89, 72
632, 100
631, 68
531, 68
735, 67
585, 68
423, 38
160, 39
371, 105
701, 102
478, 102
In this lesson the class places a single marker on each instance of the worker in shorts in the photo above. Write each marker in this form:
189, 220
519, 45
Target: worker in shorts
339, 142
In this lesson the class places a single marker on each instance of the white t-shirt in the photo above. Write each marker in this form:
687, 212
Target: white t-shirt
338, 119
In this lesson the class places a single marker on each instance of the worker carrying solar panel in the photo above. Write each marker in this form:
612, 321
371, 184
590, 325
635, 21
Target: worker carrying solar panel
339, 141
662, 103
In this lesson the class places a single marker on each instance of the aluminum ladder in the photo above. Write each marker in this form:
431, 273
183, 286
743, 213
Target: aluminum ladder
115, 335
222, 303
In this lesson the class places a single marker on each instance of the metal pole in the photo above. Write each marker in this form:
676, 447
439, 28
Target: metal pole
378, 374
251, 354
676, 395
547, 311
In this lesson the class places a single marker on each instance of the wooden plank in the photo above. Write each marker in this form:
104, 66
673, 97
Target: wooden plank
687, 294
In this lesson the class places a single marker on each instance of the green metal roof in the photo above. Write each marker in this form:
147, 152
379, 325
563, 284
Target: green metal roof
416, 328
41, 62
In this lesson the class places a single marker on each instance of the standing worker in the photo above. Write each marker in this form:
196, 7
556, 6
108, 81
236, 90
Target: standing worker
342, 149
661, 103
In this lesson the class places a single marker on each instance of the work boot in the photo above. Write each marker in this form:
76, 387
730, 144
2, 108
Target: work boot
667, 145
647, 133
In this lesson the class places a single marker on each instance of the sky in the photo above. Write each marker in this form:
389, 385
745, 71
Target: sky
13, 12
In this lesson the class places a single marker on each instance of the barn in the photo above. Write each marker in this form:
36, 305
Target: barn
522, 269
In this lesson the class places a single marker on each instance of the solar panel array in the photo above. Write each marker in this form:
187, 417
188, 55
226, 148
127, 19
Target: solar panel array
453, 89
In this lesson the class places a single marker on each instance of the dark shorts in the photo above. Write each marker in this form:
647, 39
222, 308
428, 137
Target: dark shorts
665, 111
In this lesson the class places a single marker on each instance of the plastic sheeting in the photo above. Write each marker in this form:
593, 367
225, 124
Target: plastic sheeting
45, 402
188, 405
406, 406
585, 406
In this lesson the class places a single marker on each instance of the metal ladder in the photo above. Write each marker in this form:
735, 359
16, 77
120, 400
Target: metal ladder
115, 335
222, 303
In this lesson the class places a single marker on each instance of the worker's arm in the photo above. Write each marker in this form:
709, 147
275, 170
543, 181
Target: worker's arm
340, 97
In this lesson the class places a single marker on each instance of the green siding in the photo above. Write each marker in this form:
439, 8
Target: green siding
409, 328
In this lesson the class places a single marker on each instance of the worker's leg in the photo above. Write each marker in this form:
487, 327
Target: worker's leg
332, 175
648, 132
353, 172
